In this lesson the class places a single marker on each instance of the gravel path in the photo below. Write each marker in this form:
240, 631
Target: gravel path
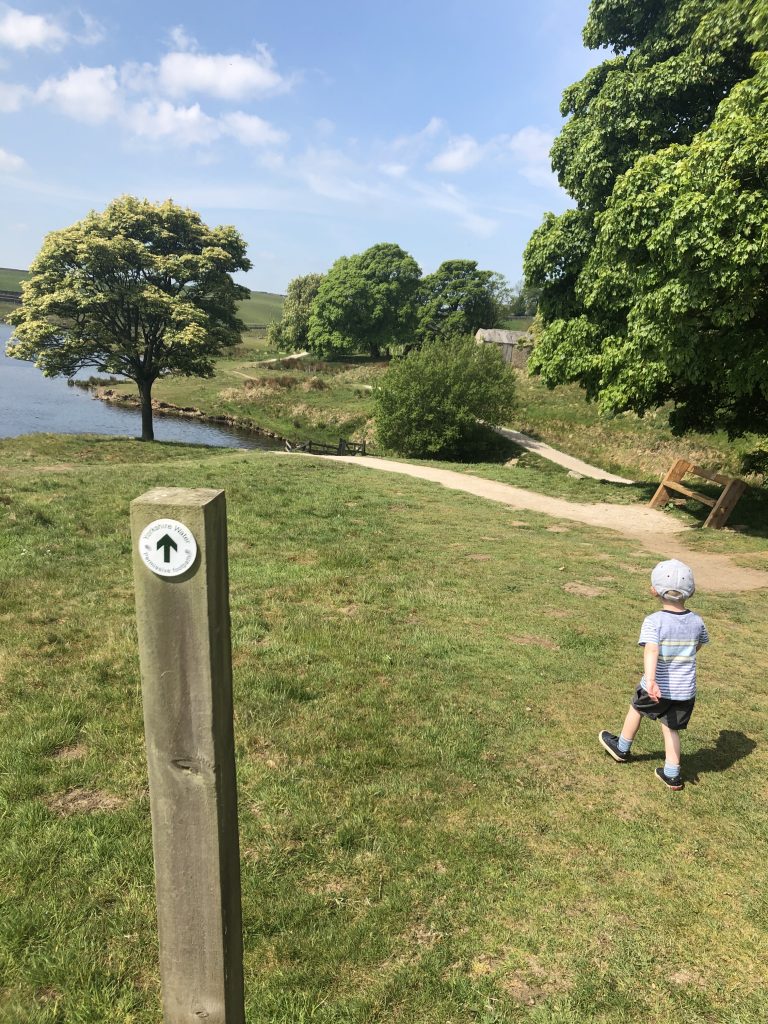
544, 450
656, 531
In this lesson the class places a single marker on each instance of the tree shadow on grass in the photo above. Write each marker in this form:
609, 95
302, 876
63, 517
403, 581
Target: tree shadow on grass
730, 747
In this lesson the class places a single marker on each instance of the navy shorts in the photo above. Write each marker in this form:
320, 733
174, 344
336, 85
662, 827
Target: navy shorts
675, 714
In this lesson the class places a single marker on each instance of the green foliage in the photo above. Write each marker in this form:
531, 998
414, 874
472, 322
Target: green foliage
459, 299
366, 303
431, 400
521, 300
291, 331
650, 288
141, 289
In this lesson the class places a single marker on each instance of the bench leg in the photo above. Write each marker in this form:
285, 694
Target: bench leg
675, 475
725, 504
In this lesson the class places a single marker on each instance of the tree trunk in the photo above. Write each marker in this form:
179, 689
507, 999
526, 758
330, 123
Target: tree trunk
145, 392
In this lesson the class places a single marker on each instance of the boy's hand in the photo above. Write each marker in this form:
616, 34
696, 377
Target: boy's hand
653, 691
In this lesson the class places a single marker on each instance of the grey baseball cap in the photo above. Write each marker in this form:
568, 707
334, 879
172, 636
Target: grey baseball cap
673, 575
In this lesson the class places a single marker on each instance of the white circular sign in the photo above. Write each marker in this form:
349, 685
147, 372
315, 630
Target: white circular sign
167, 547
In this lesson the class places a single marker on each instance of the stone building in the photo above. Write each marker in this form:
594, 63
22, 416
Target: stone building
515, 346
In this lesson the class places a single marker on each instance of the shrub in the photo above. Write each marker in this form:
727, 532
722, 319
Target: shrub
430, 402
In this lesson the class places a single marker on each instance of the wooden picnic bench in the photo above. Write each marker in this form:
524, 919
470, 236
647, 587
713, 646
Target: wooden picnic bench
672, 485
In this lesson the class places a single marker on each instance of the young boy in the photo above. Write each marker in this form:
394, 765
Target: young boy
671, 637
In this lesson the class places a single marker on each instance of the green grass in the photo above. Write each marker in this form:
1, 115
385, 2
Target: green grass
261, 308
517, 323
10, 280
429, 830
627, 444
304, 400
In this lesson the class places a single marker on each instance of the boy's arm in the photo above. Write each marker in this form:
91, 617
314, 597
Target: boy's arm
650, 661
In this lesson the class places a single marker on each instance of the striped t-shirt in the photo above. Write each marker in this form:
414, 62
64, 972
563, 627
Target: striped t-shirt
678, 634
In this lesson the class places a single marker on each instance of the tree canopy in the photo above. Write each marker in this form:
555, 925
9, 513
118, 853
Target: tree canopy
141, 289
366, 303
431, 400
458, 299
292, 329
651, 287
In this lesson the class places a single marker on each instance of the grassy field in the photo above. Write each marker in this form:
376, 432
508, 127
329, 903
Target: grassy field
518, 323
429, 830
10, 280
301, 400
261, 309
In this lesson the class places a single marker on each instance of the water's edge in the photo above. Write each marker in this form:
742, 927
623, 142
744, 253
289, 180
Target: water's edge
106, 394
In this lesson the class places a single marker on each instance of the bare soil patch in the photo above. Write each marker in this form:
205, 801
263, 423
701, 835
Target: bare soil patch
535, 641
73, 752
583, 590
83, 801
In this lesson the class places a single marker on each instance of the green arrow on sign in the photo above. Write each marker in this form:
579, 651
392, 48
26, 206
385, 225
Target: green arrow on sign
166, 543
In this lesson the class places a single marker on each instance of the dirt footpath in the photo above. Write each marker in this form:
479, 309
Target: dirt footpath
656, 531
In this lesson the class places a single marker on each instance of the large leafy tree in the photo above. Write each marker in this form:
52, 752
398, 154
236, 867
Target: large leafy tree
366, 303
640, 282
292, 329
140, 289
458, 299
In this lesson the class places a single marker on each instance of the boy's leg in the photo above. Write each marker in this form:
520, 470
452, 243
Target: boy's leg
631, 724
672, 750
619, 746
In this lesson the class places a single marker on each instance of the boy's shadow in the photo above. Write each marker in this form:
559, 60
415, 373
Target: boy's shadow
729, 748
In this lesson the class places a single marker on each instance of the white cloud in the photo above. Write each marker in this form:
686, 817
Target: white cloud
181, 40
10, 161
394, 170
93, 31
414, 142
460, 154
250, 130
226, 76
530, 151
333, 175
138, 77
449, 200
185, 126
12, 97
23, 31
85, 94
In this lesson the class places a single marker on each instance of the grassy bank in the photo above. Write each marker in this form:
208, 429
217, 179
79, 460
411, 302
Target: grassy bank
628, 445
299, 399
430, 832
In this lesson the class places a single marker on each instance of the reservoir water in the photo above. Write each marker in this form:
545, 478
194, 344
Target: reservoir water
31, 404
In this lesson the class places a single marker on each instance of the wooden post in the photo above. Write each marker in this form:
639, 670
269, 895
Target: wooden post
186, 679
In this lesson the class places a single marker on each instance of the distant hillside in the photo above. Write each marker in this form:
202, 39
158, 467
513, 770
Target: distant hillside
261, 309
10, 280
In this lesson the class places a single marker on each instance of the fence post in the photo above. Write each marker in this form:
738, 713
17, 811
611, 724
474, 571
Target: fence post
182, 607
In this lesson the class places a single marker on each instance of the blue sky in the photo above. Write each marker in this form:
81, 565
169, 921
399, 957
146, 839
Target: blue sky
318, 129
